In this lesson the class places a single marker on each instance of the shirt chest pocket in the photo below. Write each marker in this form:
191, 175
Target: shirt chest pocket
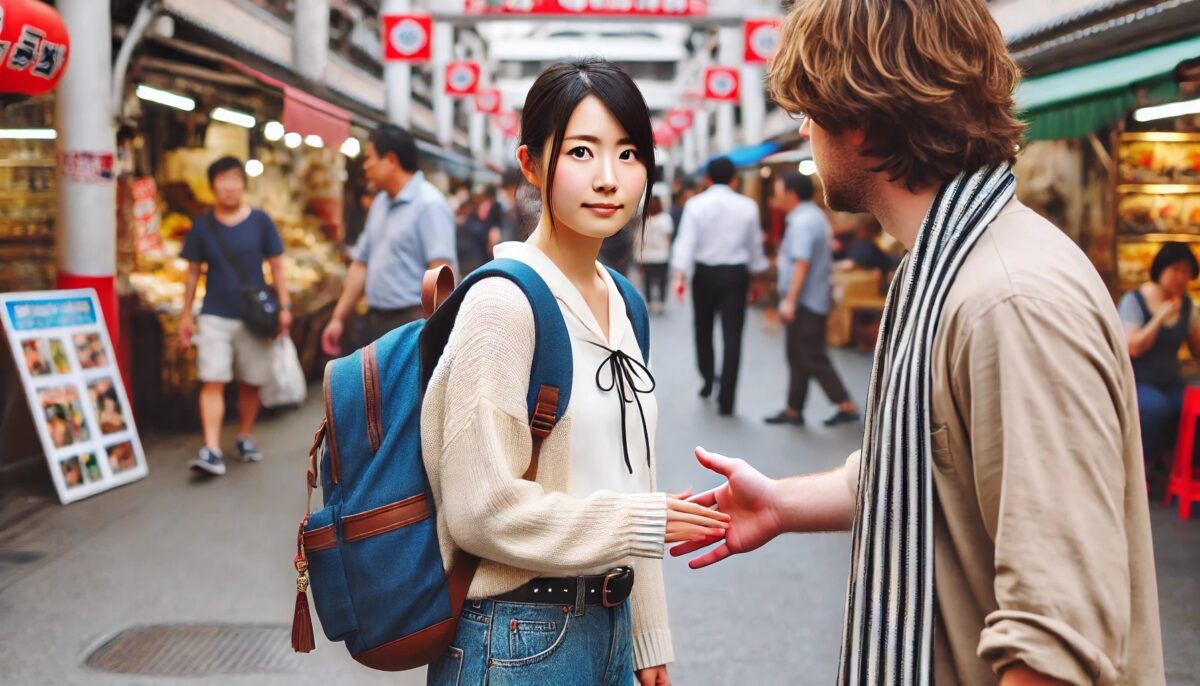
939, 447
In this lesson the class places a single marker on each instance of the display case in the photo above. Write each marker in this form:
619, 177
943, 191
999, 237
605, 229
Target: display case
28, 201
1158, 199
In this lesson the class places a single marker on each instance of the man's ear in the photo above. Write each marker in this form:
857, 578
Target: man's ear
856, 137
530, 168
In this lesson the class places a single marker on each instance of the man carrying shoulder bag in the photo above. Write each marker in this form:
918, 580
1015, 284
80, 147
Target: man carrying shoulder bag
240, 316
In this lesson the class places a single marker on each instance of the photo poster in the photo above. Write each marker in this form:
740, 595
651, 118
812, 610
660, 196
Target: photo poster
69, 371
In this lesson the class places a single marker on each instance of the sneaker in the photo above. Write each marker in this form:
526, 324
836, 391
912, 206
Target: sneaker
248, 450
209, 462
785, 417
842, 417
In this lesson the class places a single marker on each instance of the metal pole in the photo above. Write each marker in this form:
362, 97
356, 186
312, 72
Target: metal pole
443, 105
87, 221
310, 45
397, 77
729, 42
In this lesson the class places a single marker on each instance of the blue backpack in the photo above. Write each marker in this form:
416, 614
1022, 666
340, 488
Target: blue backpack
371, 552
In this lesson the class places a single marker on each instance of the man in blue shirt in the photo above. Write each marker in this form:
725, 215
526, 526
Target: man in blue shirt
409, 229
805, 298
225, 348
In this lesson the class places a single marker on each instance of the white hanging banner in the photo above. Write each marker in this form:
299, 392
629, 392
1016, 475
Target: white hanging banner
69, 372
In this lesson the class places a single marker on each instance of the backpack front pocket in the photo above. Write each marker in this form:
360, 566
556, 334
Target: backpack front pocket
327, 576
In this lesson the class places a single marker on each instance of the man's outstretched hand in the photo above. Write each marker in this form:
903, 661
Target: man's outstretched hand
748, 497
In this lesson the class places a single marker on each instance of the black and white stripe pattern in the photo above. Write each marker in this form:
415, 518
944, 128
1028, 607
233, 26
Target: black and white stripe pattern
888, 636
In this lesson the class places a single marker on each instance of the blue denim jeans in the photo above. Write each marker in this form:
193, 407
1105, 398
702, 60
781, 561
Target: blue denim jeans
518, 644
1158, 410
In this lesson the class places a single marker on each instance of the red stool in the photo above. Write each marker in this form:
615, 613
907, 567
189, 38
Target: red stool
1185, 477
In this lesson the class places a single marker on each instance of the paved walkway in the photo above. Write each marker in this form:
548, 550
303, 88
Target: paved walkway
172, 549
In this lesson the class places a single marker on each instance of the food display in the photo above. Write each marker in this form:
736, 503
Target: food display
1158, 200
1160, 157
27, 201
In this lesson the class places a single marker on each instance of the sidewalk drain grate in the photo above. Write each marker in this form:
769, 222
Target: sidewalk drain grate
197, 650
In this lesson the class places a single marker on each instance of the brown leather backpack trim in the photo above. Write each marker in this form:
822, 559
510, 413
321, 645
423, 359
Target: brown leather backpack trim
335, 462
320, 539
381, 520
371, 397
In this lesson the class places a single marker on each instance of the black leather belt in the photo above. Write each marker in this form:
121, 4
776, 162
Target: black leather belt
609, 589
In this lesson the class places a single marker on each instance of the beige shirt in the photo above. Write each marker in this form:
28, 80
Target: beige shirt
1042, 548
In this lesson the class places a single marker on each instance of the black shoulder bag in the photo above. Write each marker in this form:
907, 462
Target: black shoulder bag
260, 305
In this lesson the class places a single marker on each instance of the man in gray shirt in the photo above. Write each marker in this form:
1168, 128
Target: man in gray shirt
409, 229
805, 298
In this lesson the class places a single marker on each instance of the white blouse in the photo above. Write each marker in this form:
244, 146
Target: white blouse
597, 455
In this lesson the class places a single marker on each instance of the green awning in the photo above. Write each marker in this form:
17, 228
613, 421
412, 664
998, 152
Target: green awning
1075, 102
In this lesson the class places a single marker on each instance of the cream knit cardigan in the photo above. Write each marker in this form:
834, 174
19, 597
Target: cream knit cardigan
476, 444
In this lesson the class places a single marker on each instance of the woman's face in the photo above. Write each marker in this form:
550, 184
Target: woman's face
1174, 279
600, 179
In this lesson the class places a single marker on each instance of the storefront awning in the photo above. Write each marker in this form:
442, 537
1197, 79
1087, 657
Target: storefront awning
748, 155
303, 112
1075, 102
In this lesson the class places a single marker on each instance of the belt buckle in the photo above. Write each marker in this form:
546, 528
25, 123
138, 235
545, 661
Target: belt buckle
612, 574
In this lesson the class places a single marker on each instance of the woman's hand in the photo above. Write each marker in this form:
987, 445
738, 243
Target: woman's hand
692, 522
653, 676
1168, 309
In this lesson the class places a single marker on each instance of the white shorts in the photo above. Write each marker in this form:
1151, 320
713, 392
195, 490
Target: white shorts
224, 346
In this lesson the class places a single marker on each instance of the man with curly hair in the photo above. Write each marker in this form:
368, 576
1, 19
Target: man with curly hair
998, 505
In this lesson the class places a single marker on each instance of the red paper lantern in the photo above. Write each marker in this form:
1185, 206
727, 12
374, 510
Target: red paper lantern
33, 49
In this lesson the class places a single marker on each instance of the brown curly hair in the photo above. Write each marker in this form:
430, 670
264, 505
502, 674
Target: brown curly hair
929, 82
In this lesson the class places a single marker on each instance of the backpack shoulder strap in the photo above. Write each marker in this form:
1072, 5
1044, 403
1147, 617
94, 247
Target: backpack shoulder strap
551, 373
635, 308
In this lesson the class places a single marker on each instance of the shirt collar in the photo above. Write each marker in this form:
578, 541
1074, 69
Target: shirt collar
408, 193
569, 296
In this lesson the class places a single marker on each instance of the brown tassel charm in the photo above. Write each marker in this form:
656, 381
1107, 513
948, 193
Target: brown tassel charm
302, 628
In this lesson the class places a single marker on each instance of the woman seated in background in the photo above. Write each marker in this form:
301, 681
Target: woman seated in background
1158, 319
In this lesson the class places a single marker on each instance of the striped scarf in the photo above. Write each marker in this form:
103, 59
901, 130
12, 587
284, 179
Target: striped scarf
889, 603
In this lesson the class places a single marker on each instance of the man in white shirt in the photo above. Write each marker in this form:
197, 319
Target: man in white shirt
720, 242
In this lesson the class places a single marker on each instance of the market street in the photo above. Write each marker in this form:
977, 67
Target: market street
176, 550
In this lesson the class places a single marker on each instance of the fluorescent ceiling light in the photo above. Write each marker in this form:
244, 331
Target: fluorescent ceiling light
807, 167
312, 140
254, 168
29, 134
273, 131
351, 147
167, 98
292, 139
1174, 109
233, 117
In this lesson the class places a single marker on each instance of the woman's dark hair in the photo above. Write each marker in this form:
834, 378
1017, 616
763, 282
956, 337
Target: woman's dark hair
1172, 253
226, 163
797, 183
389, 138
556, 93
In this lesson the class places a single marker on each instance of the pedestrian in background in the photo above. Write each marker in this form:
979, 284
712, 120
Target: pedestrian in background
409, 230
510, 219
1001, 533
720, 244
654, 254
1159, 319
805, 298
232, 241
687, 189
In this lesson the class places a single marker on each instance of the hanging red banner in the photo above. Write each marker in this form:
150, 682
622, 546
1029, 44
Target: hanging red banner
462, 78
487, 100
665, 136
647, 8
679, 120
407, 37
509, 123
762, 40
721, 84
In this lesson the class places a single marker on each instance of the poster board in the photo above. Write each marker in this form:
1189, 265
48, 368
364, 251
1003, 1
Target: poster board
69, 373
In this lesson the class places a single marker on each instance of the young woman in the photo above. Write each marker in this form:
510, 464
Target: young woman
593, 513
